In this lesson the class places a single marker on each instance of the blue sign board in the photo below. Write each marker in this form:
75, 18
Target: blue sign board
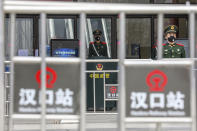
65, 52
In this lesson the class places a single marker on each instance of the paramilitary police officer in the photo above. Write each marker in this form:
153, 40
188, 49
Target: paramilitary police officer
97, 48
171, 49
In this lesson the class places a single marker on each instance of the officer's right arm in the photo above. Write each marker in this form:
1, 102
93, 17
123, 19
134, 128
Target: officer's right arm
154, 53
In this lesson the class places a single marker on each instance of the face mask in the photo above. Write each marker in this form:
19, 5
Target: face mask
97, 38
171, 39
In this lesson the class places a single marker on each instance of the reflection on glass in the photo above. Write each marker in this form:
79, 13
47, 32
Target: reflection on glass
23, 38
163, 1
60, 29
138, 38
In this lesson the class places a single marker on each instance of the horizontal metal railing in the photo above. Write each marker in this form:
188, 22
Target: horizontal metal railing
93, 8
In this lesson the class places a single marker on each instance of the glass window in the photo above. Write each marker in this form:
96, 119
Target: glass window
182, 34
60, 29
163, 1
181, 23
138, 38
23, 38
102, 24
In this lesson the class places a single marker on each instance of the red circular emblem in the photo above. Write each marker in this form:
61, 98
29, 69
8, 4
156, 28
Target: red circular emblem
51, 77
99, 67
113, 89
156, 80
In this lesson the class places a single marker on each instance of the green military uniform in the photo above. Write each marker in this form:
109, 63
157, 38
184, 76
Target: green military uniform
173, 51
97, 48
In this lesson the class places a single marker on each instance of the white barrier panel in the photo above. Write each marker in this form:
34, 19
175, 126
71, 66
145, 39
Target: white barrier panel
62, 88
159, 91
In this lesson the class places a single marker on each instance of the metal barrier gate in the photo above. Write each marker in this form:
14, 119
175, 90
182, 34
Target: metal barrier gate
43, 8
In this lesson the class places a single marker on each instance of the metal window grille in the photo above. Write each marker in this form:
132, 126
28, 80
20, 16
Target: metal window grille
44, 8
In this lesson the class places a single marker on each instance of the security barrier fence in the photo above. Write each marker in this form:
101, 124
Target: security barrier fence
75, 112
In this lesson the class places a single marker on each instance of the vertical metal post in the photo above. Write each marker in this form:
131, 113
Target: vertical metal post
193, 75
104, 92
83, 69
158, 126
121, 75
192, 34
160, 36
193, 96
43, 71
12, 53
2, 86
94, 93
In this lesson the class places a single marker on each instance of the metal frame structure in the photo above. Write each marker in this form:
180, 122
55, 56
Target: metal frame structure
43, 8
35, 7
2, 85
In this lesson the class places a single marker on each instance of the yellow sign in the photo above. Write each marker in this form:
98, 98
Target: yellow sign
107, 75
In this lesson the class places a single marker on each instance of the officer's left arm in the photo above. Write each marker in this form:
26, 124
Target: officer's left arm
183, 53
105, 50
90, 50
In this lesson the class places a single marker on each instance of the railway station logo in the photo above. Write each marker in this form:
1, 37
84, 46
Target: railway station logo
156, 80
113, 89
158, 94
51, 77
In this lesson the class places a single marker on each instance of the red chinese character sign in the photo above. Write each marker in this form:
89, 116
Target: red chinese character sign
158, 89
62, 87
